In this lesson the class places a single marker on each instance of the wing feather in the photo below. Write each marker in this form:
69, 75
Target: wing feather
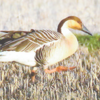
26, 40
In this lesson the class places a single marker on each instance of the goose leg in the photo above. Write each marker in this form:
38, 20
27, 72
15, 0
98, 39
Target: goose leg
59, 69
33, 74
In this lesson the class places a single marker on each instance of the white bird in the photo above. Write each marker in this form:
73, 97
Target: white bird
41, 48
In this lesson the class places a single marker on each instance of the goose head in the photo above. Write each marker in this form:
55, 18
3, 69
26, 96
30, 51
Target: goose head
72, 22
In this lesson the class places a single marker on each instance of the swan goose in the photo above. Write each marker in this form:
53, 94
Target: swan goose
41, 47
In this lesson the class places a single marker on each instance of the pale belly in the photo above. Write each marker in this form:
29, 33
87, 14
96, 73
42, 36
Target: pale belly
59, 51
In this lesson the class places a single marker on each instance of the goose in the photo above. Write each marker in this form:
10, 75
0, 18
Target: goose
42, 48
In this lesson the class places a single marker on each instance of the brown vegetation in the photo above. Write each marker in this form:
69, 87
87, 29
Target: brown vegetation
81, 83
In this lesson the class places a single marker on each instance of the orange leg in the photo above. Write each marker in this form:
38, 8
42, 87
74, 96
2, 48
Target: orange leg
33, 75
59, 69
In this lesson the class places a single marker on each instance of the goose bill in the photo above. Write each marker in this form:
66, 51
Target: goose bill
84, 29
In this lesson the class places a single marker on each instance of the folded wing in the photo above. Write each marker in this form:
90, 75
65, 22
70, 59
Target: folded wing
26, 40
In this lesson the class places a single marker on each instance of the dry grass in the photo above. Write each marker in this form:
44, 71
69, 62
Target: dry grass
83, 83
46, 14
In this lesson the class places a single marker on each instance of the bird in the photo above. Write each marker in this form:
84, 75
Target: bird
42, 48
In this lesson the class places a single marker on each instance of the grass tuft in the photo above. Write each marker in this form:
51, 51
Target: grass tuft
92, 42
